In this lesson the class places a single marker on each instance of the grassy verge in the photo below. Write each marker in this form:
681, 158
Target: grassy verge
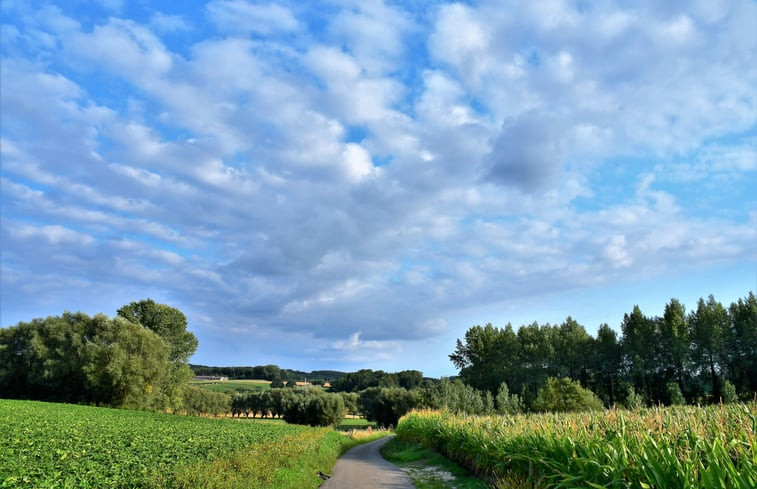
289, 463
427, 468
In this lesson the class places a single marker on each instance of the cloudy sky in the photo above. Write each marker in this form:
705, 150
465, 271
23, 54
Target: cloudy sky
346, 184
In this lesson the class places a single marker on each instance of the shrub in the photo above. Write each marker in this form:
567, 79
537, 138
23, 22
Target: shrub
564, 395
312, 407
508, 403
674, 394
386, 405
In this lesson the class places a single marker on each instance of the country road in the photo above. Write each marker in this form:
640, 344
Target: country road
363, 467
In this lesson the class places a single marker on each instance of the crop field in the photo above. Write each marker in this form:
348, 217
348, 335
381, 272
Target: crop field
45, 445
676, 447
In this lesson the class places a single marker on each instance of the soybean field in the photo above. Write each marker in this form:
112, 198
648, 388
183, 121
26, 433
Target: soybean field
47, 445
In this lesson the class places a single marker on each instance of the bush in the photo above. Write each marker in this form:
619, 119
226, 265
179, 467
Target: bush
312, 407
729, 393
386, 405
674, 394
201, 401
508, 403
564, 395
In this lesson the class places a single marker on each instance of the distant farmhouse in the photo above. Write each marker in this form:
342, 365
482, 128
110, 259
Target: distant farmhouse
210, 377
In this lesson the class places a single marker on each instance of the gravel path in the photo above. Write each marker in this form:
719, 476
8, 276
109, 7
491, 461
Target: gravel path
363, 467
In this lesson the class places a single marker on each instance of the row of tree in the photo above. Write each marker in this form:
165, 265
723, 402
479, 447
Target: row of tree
274, 373
137, 359
695, 354
365, 378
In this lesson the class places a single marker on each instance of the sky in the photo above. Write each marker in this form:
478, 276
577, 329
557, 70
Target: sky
354, 184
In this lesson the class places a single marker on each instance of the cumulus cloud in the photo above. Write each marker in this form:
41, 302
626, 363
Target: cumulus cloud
343, 182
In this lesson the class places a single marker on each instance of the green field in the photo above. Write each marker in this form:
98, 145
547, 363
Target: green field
232, 386
45, 445
682, 447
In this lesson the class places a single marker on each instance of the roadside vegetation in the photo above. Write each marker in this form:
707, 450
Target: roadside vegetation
682, 447
427, 468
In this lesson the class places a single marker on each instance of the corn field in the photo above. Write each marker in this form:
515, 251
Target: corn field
666, 448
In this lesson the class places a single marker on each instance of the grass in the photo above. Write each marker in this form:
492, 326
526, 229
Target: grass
427, 468
356, 424
48, 445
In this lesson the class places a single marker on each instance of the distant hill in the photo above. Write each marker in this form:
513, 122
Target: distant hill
267, 372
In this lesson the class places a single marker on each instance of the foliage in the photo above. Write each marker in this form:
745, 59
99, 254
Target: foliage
682, 447
565, 395
699, 351
312, 406
201, 401
365, 378
267, 372
77, 358
171, 325
455, 396
98, 360
729, 393
674, 394
385, 406
350, 402
508, 403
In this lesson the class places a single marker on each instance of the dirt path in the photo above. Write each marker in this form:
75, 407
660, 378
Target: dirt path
363, 467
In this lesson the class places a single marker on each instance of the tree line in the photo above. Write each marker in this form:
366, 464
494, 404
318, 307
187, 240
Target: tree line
137, 359
695, 357
273, 373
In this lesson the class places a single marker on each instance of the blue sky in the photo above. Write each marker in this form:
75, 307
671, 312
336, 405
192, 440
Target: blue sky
345, 185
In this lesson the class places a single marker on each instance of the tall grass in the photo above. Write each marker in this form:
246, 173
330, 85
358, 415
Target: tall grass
677, 447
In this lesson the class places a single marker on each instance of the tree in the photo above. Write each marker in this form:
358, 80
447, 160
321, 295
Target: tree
741, 343
125, 364
508, 403
171, 325
674, 344
312, 407
572, 345
168, 322
606, 361
386, 405
487, 356
639, 348
565, 395
536, 358
708, 325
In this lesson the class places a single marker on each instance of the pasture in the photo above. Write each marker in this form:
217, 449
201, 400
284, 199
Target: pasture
46, 445
684, 447
232, 386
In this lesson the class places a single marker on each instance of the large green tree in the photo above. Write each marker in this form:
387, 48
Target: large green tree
487, 357
640, 342
741, 343
125, 364
709, 325
674, 347
171, 325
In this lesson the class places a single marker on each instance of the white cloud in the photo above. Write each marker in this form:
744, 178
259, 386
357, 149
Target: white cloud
245, 17
345, 182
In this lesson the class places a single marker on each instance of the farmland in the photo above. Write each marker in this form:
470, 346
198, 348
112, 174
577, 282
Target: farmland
46, 445
232, 386
677, 447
